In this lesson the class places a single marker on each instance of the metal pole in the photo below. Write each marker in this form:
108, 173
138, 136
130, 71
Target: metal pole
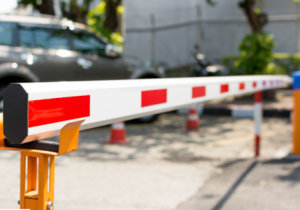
152, 18
198, 8
122, 18
296, 113
257, 121
298, 27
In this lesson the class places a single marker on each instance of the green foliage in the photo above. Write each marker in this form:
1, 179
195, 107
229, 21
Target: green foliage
282, 63
26, 2
256, 54
289, 62
96, 20
211, 2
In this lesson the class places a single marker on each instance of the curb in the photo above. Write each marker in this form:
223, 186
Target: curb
236, 111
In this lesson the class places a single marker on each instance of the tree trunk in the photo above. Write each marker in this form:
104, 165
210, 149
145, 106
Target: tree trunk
256, 21
75, 12
111, 21
71, 11
46, 7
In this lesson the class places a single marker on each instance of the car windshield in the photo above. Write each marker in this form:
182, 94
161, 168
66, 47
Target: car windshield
5, 34
44, 38
88, 43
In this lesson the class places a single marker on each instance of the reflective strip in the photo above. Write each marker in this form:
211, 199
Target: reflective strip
257, 145
48, 111
198, 91
118, 126
258, 97
193, 117
257, 117
154, 97
264, 83
242, 86
242, 113
224, 88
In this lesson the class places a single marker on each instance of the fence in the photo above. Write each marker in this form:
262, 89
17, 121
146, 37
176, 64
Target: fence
35, 111
153, 36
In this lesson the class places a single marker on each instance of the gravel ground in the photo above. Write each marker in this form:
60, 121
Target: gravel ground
161, 168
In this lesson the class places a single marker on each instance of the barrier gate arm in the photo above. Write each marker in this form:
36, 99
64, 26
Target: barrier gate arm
35, 111
40, 110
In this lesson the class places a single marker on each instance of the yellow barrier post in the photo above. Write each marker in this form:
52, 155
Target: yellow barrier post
39, 194
296, 113
34, 198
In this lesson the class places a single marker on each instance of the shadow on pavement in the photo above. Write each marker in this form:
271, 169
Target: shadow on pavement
232, 189
230, 163
293, 176
143, 138
167, 139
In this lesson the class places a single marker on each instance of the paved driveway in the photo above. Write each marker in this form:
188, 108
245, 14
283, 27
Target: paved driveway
161, 169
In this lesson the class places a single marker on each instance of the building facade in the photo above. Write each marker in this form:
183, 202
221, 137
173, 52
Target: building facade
167, 31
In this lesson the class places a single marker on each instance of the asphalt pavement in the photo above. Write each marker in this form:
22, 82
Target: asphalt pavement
251, 184
166, 168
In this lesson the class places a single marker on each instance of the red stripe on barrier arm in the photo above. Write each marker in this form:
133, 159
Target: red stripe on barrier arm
271, 82
264, 83
47, 111
224, 88
154, 97
254, 84
199, 91
242, 86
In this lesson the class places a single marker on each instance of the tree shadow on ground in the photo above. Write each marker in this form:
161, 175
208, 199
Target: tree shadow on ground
287, 164
144, 138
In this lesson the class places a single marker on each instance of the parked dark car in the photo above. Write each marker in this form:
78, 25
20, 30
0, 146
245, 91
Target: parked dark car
47, 48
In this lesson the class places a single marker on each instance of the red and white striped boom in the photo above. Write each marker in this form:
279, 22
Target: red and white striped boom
40, 110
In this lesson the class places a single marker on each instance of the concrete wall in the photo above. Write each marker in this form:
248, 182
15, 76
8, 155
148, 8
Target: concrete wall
222, 28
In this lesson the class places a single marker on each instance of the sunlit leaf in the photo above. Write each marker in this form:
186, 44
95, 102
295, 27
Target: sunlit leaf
91, 21
96, 19
120, 9
257, 10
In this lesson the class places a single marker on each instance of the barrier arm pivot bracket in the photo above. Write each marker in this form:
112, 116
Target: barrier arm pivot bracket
69, 134
39, 174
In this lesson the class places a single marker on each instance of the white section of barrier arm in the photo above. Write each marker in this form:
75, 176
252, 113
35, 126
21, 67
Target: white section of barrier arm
40, 110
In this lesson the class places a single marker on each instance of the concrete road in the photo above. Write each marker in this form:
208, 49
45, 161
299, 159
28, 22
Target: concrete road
162, 168
251, 184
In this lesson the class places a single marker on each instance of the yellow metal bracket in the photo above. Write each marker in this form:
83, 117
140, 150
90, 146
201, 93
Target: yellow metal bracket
69, 134
39, 174
1, 131
35, 197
